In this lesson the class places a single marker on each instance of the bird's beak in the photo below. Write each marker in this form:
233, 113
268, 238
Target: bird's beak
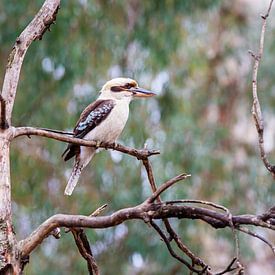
140, 92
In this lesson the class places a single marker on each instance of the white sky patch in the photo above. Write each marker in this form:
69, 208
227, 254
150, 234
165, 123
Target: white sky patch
54, 186
114, 71
72, 107
159, 81
107, 180
116, 156
146, 190
160, 136
59, 72
83, 90
154, 112
120, 231
137, 260
83, 2
47, 65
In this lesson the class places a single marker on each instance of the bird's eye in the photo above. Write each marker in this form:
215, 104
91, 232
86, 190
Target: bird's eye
116, 89
128, 86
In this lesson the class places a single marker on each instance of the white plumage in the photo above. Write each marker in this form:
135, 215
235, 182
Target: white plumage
103, 120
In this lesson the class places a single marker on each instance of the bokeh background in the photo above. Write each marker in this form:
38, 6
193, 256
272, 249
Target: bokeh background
194, 55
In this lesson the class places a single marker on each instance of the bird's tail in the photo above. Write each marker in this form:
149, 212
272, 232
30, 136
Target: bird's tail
73, 178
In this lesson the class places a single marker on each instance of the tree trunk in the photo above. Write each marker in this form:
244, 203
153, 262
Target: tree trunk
9, 255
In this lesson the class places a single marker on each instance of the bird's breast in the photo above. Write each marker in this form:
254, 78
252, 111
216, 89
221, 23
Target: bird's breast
110, 129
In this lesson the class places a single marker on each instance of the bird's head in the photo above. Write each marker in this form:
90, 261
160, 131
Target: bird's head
123, 88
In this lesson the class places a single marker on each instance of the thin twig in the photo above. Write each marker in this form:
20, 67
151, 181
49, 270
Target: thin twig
256, 107
251, 233
166, 185
229, 268
85, 250
172, 234
99, 210
167, 242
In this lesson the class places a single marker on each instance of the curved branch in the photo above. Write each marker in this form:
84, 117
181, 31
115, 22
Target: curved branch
35, 30
145, 211
256, 107
55, 134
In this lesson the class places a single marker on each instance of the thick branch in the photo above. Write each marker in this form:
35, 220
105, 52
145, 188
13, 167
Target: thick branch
144, 212
35, 30
54, 134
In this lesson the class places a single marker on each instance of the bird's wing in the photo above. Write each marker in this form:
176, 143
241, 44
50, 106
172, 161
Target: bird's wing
92, 116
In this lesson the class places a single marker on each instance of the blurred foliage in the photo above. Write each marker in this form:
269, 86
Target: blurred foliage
194, 55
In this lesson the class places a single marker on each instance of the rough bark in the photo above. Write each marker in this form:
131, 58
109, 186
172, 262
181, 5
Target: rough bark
10, 262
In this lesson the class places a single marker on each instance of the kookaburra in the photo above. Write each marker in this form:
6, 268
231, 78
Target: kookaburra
102, 120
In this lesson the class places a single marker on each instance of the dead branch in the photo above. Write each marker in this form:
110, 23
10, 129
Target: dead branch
251, 233
85, 250
172, 252
146, 212
256, 107
166, 185
172, 234
58, 135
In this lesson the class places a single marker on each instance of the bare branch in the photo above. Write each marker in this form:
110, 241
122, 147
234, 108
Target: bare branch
172, 252
251, 233
145, 211
35, 30
256, 108
172, 234
229, 268
85, 250
166, 185
57, 135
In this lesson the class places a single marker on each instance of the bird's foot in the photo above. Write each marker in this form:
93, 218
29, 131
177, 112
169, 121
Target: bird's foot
115, 144
97, 145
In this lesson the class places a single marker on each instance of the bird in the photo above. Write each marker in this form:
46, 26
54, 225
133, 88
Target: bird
102, 121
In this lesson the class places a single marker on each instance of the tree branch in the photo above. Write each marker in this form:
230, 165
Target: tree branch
85, 250
145, 211
256, 107
166, 185
172, 234
59, 135
35, 30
